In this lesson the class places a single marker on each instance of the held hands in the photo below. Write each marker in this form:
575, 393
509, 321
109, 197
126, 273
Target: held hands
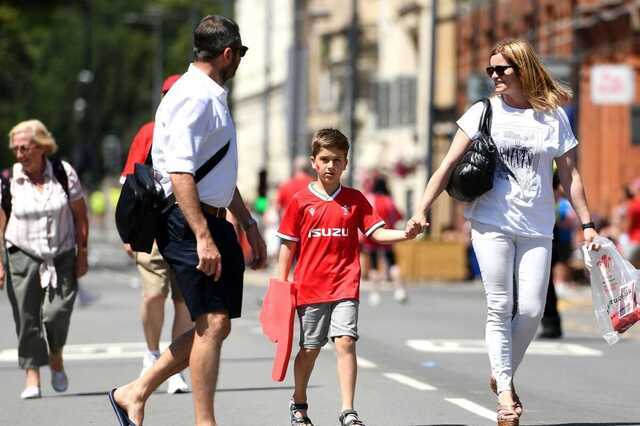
417, 224
209, 259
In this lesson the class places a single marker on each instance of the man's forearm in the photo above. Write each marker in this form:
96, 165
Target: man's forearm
186, 192
239, 210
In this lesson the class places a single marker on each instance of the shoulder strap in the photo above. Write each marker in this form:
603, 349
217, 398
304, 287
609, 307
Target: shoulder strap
61, 174
5, 183
485, 119
211, 162
205, 168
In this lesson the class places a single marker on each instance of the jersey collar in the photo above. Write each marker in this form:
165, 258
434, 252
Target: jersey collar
322, 196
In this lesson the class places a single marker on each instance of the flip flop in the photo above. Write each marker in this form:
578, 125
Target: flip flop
121, 415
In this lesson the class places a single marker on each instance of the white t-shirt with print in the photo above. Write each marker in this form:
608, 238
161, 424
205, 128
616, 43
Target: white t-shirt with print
527, 141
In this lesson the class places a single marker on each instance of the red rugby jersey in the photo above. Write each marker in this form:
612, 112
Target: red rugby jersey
326, 230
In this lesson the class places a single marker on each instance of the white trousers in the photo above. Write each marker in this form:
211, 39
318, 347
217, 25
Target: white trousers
515, 272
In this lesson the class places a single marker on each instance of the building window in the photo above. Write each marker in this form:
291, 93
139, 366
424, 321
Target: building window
635, 125
395, 102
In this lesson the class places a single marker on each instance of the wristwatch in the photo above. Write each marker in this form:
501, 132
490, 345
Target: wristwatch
588, 225
249, 223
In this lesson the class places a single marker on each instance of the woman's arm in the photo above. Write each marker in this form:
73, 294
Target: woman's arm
438, 181
81, 224
285, 259
571, 182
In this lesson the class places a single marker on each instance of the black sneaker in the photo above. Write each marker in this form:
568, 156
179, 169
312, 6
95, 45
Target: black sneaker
303, 419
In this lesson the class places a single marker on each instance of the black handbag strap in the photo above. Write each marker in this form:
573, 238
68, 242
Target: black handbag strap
204, 169
486, 117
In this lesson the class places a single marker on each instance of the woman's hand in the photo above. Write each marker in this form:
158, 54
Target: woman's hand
589, 236
82, 263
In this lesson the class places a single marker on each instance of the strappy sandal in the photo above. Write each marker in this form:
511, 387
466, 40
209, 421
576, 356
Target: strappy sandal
302, 419
506, 416
517, 404
350, 418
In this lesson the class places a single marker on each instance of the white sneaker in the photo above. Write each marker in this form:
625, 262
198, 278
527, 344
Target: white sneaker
177, 384
59, 381
148, 359
374, 298
400, 294
31, 392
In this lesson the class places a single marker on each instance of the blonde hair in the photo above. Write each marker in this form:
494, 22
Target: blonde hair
329, 138
38, 133
543, 92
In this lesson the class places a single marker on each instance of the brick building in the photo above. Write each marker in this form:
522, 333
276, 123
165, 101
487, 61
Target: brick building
571, 36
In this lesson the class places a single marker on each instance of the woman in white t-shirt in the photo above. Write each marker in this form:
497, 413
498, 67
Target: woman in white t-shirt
512, 224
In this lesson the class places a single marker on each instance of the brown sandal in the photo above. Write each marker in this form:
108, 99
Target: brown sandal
506, 416
517, 404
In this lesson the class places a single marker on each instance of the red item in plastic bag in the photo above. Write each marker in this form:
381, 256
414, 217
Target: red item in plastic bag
622, 324
276, 318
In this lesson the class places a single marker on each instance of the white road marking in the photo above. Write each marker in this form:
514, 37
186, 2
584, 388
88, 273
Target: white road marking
406, 380
365, 363
90, 352
362, 363
473, 407
471, 346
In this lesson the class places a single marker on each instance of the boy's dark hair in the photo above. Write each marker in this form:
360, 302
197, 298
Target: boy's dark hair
329, 138
213, 34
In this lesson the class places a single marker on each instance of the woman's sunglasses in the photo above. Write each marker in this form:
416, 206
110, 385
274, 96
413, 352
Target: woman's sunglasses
499, 69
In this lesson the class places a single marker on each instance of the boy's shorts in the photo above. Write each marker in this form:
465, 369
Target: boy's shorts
321, 321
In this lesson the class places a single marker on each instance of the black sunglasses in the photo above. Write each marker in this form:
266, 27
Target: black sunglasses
499, 69
241, 49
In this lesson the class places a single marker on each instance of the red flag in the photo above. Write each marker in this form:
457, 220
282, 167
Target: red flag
276, 318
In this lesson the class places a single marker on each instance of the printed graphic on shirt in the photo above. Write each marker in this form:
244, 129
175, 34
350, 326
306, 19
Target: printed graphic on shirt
519, 149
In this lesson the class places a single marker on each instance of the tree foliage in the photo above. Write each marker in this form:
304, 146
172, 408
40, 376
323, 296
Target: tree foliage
44, 46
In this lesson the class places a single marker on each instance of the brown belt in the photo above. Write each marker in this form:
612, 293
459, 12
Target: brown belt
219, 212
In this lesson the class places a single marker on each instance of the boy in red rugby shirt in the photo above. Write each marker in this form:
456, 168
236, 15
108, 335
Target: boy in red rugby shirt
322, 222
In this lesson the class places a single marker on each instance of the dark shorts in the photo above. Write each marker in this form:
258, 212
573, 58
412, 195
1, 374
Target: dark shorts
177, 243
374, 257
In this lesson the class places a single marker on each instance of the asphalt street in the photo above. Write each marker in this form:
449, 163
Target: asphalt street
420, 364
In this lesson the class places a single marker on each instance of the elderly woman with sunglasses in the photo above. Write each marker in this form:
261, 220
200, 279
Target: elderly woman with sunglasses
44, 234
512, 224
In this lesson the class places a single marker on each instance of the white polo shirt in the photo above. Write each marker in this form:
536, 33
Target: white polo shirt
192, 123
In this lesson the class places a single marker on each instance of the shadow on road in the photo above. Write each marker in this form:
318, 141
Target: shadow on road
268, 388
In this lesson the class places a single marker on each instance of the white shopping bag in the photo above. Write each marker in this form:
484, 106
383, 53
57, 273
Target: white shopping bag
615, 289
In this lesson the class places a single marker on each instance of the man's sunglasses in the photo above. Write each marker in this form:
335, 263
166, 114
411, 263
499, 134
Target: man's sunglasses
240, 49
499, 69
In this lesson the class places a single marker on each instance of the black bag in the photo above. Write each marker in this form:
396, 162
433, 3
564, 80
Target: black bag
142, 203
473, 175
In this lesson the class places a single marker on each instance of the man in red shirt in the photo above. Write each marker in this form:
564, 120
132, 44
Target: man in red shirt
323, 220
302, 175
156, 276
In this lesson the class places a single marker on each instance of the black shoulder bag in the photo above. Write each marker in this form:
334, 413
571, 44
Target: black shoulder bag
473, 175
142, 203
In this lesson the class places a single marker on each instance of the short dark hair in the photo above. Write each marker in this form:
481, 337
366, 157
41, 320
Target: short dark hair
213, 34
329, 138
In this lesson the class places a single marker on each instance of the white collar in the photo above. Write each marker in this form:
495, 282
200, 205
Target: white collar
218, 91
322, 196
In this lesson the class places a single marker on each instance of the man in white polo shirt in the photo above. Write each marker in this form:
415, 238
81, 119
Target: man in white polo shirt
194, 125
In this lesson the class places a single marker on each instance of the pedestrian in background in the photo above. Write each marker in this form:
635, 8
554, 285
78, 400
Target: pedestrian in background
302, 176
157, 278
382, 264
632, 224
193, 126
45, 238
512, 224
321, 223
